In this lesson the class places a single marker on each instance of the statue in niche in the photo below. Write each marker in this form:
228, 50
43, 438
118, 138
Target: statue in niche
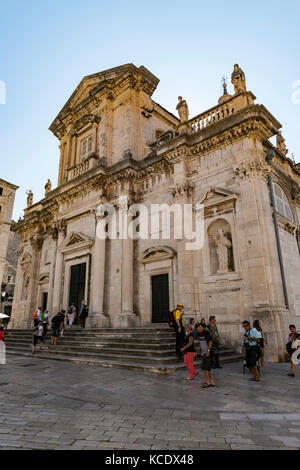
183, 109
280, 143
29, 198
238, 79
48, 187
223, 245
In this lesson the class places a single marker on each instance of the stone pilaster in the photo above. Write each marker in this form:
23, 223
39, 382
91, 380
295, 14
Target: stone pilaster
127, 318
59, 261
97, 317
36, 242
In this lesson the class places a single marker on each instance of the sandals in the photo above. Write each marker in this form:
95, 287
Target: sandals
291, 375
205, 385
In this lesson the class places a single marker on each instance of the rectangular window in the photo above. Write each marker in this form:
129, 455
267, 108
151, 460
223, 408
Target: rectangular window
86, 147
1, 191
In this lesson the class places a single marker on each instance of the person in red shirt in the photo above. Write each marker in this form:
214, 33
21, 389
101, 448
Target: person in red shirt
1, 333
2, 346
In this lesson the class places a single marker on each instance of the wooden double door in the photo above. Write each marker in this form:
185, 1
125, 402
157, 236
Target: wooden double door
77, 287
160, 298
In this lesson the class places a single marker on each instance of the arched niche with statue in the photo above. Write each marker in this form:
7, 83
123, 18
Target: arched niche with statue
220, 242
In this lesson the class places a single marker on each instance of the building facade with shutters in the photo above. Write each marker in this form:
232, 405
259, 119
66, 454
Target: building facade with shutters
117, 144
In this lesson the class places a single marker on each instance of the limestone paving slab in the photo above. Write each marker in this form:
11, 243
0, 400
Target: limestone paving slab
128, 410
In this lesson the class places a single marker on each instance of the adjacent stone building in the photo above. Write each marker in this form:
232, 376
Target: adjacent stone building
9, 273
115, 141
7, 264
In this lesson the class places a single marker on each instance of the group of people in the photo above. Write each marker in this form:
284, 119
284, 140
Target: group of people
197, 339
41, 323
194, 339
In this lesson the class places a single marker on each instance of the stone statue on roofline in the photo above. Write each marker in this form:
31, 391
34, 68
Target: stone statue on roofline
48, 187
29, 198
238, 79
183, 109
280, 143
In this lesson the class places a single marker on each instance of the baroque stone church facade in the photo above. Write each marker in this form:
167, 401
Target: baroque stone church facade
115, 140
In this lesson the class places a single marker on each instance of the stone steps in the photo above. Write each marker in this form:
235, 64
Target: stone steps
162, 369
140, 355
134, 349
170, 345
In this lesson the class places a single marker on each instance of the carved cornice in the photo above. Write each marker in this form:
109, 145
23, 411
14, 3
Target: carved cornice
175, 155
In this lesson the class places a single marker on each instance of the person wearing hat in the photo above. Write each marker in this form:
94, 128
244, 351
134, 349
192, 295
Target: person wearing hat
179, 328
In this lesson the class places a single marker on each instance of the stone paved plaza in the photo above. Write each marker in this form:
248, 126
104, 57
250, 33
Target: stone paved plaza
54, 405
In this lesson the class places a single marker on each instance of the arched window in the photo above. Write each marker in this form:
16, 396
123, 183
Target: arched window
281, 203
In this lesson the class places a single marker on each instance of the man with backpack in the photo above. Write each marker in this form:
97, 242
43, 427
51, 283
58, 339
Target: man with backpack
84, 313
250, 346
179, 328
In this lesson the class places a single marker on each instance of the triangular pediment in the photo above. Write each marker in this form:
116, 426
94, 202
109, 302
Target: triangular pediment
75, 241
92, 84
216, 194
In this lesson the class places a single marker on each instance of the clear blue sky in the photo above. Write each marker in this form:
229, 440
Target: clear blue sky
47, 46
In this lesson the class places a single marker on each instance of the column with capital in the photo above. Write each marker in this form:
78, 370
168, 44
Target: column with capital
54, 236
97, 317
36, 242
56, 306
127, 317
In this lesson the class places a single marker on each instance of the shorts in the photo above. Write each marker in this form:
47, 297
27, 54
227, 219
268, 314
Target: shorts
55, 332
37, 338
251, 356
207, 363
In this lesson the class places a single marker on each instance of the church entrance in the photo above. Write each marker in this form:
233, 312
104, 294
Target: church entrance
77, 287
45, 301
160, 298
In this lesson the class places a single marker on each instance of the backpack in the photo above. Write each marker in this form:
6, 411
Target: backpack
171, 320
34, 316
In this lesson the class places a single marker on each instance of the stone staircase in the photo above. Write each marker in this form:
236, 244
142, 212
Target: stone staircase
147, 349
